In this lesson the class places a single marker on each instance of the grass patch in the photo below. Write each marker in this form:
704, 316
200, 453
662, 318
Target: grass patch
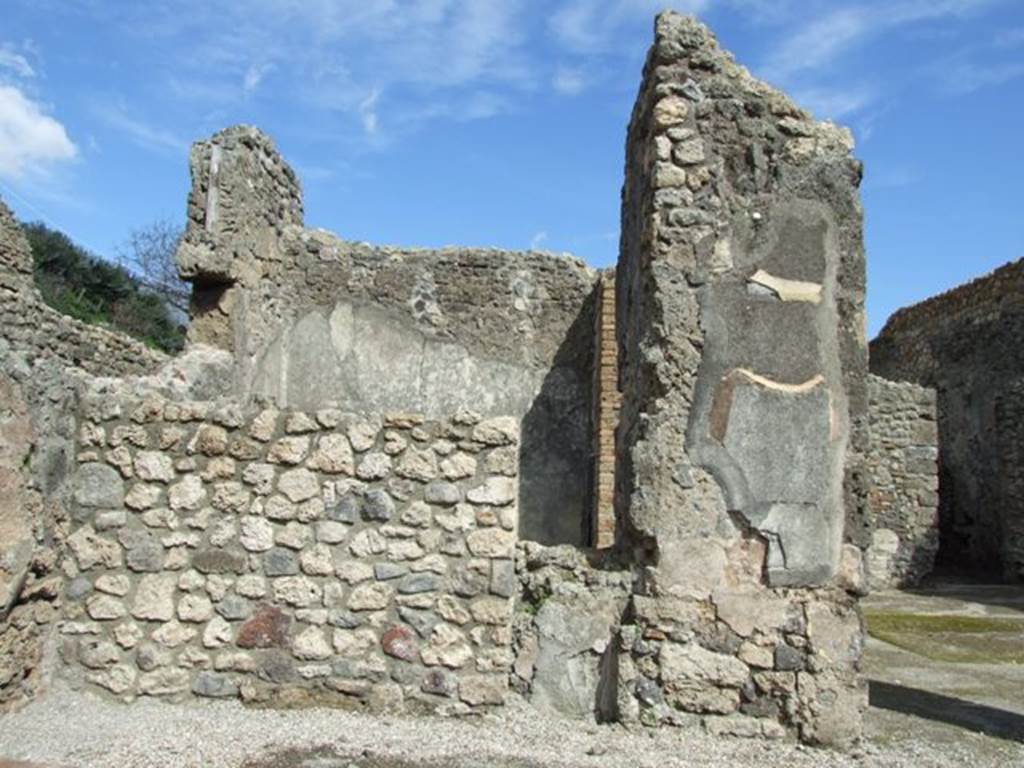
958, 639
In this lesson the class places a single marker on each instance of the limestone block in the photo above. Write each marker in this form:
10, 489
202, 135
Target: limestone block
98, 486
699, 680
565, 667
496, 491
297, 591
477, 690
298, 485
91, 550
311, 644
153, 466
256, 534
333, 455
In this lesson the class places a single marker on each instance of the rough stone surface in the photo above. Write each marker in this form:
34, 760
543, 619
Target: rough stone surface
742, 364
903, 474
965, 344
347, 572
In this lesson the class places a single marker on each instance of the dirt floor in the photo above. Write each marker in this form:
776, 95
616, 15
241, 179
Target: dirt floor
948, 662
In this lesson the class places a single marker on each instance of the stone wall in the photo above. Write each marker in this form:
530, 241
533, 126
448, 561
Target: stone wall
43, 354
291, 555
740, 291
965, 344
36, 447
903, 477
228, 526
28, 324
311, 317
1010, 417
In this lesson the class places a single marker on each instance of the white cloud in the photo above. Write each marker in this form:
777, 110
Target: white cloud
368, 112
818, 42
538, 240
589, 26
833, 103
14, 62
117, 116
254, 76
823, 40
569, 81
31, 141
967, 77
427, 58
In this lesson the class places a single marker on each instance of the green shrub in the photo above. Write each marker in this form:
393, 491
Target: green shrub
84, 286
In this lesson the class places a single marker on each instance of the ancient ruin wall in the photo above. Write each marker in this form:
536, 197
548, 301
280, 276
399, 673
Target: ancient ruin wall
28, 324
740, 313
311, 318
257, 545
42, 357
903, 477
36, 437
965, 344
280, 554
1010, 417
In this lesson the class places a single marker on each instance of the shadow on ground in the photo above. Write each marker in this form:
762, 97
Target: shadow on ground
326, 757
981, 718
958, 587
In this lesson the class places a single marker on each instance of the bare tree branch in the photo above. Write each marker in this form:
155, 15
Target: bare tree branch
149, 254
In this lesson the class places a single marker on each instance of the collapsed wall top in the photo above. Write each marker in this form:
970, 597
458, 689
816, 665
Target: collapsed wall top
15, 254
242, 193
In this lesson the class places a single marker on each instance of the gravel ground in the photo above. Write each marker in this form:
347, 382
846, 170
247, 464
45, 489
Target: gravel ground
67, 728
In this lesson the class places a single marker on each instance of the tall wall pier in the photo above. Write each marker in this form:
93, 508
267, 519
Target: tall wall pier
966, 345
740, 314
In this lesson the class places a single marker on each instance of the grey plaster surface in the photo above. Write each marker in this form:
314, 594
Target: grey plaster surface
777, 443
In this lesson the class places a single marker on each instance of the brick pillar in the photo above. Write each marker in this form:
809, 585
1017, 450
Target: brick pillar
606, 414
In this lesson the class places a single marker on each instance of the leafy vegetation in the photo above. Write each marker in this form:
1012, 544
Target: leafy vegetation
84, 286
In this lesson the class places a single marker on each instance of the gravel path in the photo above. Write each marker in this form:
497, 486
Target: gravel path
67, 728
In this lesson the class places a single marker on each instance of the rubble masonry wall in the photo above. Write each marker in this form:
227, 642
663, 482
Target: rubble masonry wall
965, 344
903, 476
275, 555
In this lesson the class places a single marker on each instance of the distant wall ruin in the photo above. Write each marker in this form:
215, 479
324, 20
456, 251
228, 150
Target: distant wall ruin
32, 327
966, 344
44, 355
903, 477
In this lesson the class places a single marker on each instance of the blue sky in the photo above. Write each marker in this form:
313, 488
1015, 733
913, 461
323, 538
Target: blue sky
502, 122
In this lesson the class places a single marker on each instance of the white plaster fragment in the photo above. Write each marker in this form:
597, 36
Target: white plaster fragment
788, 290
